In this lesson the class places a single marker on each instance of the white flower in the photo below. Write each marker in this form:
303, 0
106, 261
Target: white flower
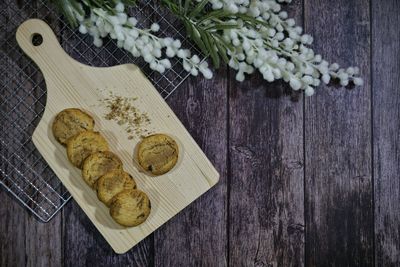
358, 81
309, 91
157, 53
195, 59
135, 52
279, 36
170, 52
275, 47
177, 44
83, 29
246, 45
334, 67
194, 72
268, 75
166, 63
326, 78
113, 20
295, 83
120, 43
167, 41
155, 27
207, 73
240, 76
232, 8
129, 42
160, 68
186, 66
148, 58
134, 33
97, 42
119, 7
236, 42
350, 71
122, 18
132, 21
181, 53
307, 79
344, 82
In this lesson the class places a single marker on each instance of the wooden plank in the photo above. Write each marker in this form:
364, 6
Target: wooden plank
24, 240
83, 245
386, 128
12, 231
339, 203
266, 205
197, 235
43, 240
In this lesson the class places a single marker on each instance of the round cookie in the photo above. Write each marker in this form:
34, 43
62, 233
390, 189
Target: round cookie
98, 164
112, 183
157, 153
70, 122
80, 146
130, 207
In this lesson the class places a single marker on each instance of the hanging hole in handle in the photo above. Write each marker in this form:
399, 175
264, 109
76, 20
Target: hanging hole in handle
37, 39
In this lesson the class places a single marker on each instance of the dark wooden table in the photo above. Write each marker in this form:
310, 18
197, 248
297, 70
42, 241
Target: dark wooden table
311, 182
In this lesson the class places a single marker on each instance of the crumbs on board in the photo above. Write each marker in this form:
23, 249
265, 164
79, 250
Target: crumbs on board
126, 114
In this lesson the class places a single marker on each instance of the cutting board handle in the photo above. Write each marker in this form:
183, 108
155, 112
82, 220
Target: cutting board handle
39, 42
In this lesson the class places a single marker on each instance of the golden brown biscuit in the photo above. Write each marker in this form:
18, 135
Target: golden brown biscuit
70, 122
112, 183
130, 207
98, 164
80, 146
157, 153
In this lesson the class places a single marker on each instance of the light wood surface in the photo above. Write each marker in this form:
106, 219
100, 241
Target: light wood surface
72, 84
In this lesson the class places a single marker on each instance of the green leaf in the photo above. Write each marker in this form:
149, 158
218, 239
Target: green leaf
77, 8
252, 21
186, 7
195, 35
217, 14
209, 48
222, 26
222, 52
212, 50
199, 7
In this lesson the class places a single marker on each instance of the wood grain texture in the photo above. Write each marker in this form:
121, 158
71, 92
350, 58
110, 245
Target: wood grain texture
77, 228
386, 129
266, 218
12, 214
197, 236
339, 199
43, 241
72, 84
83, 246
261, 187
12, 231
31, 243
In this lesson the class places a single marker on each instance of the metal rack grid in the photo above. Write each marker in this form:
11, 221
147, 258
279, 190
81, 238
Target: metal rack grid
23, 171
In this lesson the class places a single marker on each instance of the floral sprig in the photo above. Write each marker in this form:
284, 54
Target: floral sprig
73, 11
275, 46
249, 35
140, 42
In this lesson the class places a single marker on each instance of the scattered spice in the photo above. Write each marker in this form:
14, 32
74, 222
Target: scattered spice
123, 111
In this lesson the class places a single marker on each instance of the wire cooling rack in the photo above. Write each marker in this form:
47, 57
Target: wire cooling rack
23, 171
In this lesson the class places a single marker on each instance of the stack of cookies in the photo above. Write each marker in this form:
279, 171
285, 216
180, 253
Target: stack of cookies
101, 169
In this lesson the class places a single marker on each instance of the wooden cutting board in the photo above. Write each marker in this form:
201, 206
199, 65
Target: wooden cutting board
72, 84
